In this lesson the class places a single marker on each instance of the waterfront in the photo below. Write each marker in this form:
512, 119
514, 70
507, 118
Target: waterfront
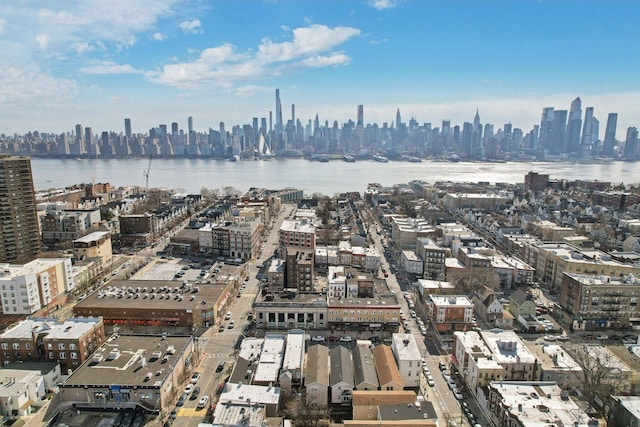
321, 177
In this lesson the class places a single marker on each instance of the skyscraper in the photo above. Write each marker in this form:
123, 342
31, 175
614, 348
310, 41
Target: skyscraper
19, 231
546, 128
127, 128
631, 144
279, 124
360, 117
559, 129
573, 127
587, 128
609, 143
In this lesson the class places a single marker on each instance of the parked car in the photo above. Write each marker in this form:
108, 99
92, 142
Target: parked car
318, 338
346, 339
431, 381
332, 339
203, 402
457, 394
188, 388
232, 323
220, 366
182, 399
195, 377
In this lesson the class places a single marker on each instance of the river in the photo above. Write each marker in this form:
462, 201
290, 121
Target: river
313, 177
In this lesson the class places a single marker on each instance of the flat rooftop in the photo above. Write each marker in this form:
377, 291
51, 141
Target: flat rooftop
408, 351
152, 294
71, 328
130, 360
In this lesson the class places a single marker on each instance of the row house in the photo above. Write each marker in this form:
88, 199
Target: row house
433, 258
93, 245
512, 271
347, 255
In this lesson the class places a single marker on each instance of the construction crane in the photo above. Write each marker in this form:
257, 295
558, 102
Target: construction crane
146, 174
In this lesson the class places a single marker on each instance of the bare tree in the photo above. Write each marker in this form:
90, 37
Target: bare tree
209, 194
600, 377
305, 413
469, 280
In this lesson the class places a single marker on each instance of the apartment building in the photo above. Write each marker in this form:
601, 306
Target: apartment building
68, 224
93, 245
68, 342
433, 258
450, 312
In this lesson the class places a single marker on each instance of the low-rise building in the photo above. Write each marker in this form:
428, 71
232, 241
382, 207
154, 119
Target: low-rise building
530, 404
487, 202
450, 312
249, 396
388, 373
366, 402
341, 378
508, 350
134, 305
556, 365
364, 369
436, 287
522, 305
68, 342
317, 379
270, 360
433, 258
132, 372
407, 356
93, 245
364, 315
624, 411
292, 371
286, 310
68, 224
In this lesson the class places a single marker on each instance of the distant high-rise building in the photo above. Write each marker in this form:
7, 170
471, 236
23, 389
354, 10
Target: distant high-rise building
587, 128
279, 123
88, 137
174, 129
609, 143
398, 119
546, 128
79, 132
127, 128
79, 139
293, 113
558, 134
360, 117
19, 231
574, 125
476, 120
190, 124
631, 144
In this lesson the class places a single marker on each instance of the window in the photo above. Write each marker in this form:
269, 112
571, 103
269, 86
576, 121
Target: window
73, 355
5, 346
63, 355
61, 346
51, 355
72, 346
49, 346
16, 346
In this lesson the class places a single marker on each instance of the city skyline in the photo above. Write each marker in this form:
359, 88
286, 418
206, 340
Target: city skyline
160, 62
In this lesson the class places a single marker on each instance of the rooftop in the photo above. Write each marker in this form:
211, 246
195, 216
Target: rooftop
405, 347
72, 328
130, 360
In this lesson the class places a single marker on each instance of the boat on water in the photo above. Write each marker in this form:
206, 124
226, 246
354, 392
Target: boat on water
349, 159
379, 158
323, 159
233, 158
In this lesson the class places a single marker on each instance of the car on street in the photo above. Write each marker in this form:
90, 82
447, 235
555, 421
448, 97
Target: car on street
195, 393
318, 338
188, 388
195, 377
220, 366
431, 381
228, 316
426, 370
346, 339
182, 399
232, 323
457, 394
203, 402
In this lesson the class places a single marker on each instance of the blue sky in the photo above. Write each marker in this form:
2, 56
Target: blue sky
160, 61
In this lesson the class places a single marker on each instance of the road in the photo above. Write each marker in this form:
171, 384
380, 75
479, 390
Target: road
443, 400
215, 345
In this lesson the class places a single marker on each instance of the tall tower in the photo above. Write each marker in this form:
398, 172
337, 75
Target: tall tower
360, 119
80, 139
19, 231
546, 128
476, 120
573, 126
631, 144
609, 143
279, 126
587, 128
558, 135
127, 128
293, 114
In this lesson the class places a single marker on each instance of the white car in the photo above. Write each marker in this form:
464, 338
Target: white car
431, 381
318, 338
188, 388
203, 402
457, 394
228, 316
346, 339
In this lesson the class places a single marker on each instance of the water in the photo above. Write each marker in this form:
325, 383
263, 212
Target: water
313, 177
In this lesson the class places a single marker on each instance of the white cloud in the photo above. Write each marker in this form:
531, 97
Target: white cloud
108, 67
158, 37
33, 88
383, 4
42, 40
83, 47
223, 67
191, 27
326, 60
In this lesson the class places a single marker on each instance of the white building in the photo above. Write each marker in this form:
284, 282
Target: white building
407, 355
270, 360
27, 288
292, 370
411, 263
